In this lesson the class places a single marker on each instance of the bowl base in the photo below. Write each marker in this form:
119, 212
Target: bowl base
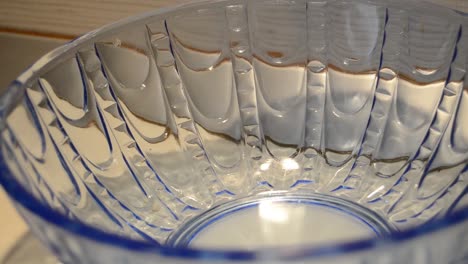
278, 219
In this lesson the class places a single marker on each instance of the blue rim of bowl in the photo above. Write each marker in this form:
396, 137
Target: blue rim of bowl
26, 200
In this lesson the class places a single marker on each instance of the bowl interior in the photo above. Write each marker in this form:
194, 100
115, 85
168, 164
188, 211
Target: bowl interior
252, 124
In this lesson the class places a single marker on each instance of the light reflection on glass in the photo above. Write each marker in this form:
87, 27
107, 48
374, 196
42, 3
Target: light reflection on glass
265, 166
270, 211
289, 164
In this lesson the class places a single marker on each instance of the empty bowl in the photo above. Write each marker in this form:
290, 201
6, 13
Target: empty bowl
321, 131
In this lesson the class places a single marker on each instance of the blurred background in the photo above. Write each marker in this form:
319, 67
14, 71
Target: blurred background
30, 28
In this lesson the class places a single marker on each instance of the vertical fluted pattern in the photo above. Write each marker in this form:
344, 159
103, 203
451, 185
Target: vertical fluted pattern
148, 127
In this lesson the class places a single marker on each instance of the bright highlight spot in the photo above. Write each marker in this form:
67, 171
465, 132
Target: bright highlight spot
265, 166
273, 212
289, 164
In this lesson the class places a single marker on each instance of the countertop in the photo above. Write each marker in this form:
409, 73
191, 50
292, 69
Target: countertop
17, 52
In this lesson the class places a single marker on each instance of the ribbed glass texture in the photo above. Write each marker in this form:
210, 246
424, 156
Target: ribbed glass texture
120, 137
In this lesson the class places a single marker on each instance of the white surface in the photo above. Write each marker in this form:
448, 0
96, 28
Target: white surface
17, 52
273, 224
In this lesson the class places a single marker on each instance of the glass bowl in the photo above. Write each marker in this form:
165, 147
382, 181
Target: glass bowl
248, 131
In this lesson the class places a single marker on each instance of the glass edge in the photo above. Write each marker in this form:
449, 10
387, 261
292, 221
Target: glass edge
26, 200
